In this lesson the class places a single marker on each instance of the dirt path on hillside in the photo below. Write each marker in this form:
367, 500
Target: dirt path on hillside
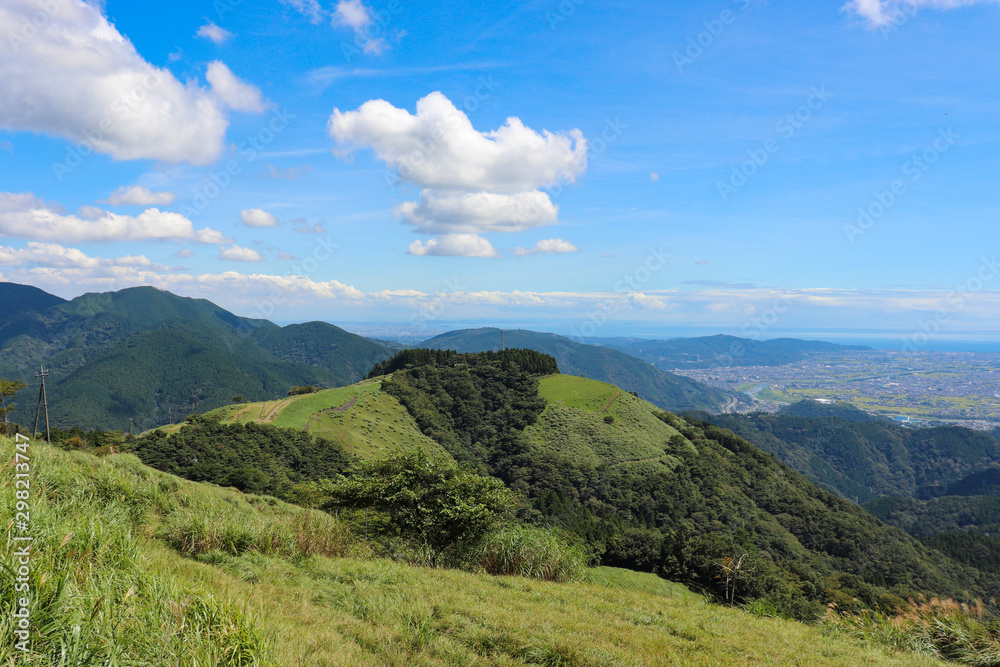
612, 400
345, 407
274, 411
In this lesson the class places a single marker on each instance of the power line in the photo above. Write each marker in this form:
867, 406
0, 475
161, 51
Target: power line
43, 399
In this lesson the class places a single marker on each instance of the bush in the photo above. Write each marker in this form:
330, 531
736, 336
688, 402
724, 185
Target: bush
528, 551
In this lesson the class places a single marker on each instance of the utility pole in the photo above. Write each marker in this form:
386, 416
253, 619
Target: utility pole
43, 399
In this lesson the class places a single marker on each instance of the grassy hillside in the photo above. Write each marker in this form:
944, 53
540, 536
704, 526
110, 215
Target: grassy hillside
362, 419
147, 357
666, 390
135, 567
575, 425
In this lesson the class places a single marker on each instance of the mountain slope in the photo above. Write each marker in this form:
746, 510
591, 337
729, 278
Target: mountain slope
673, 497
145, 356
722, 350
867, 459
666, 390
135, 566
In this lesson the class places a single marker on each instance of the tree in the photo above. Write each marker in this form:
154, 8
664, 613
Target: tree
437, 504
8, 389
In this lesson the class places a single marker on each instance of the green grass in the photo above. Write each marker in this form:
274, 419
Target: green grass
374, 427
573, 425
132, 566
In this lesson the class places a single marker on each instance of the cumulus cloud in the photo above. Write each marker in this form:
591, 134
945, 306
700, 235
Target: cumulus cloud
214, 33
232, 92
26, 216
133, 260
548, 247
255, 217
454, 245
235, 253
80, 79
472, 182
138, 195
884, 13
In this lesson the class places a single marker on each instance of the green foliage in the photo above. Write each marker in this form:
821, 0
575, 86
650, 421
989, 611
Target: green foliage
8, 390
939, 515
666, 390
298, 391
865, 460
256, 458
528, 551
526, 360
706, 496
440, 506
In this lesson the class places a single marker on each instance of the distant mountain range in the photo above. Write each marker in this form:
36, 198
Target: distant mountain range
721, 350
144, 357
665, 390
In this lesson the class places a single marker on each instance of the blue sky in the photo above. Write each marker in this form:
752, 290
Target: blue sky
751, 167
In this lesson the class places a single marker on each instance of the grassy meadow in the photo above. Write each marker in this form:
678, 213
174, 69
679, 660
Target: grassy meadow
132, 566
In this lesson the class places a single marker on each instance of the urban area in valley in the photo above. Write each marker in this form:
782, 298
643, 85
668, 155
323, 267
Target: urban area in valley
919, 388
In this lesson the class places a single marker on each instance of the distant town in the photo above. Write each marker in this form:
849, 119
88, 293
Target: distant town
923, 388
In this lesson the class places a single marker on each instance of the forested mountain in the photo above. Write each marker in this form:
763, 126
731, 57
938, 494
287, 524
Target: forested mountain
666, 390
648, 490
150, 357
864, 460
721, 350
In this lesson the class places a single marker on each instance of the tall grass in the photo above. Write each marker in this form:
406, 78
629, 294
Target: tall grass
942, 628
95, 599
529, 552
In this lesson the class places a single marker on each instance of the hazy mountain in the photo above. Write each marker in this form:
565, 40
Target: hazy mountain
147, 355
666, 390
721, 350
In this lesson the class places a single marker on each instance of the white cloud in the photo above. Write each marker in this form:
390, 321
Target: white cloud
235, 253
214, 33
255, 217
184, 252
454, 245
139, 195
548, 246
653, 176
80, 79
351, 13
317, 228
308, 8
133, 260
884, 13
471, 181
232, 92
26, 216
